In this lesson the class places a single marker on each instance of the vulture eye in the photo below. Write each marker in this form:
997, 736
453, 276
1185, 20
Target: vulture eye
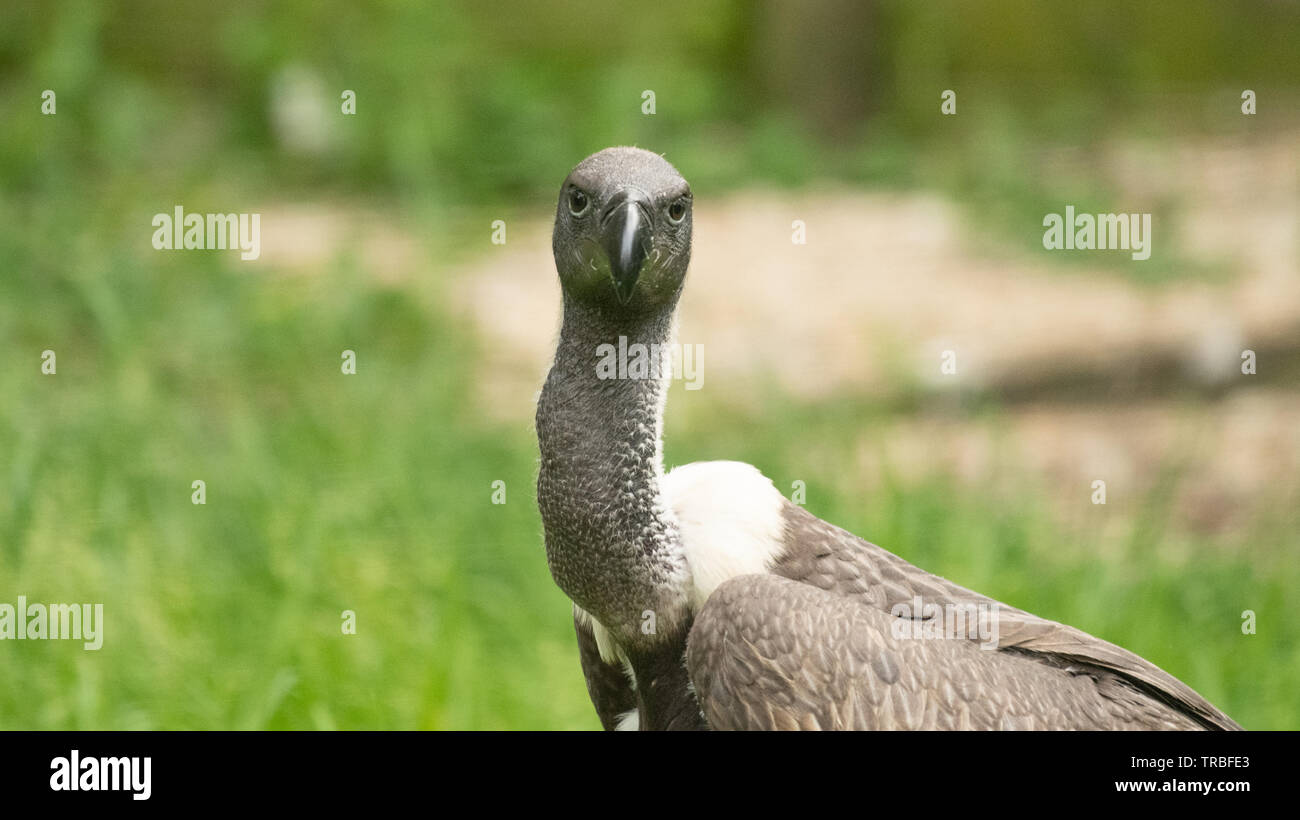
677, 211
578, 202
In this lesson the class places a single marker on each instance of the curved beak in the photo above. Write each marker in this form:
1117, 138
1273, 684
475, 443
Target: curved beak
625, 234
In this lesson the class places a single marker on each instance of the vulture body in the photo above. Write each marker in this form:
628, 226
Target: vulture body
703, 599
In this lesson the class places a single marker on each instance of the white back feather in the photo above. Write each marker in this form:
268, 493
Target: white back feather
731, 521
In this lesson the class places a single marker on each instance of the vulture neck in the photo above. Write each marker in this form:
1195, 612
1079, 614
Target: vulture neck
612, 541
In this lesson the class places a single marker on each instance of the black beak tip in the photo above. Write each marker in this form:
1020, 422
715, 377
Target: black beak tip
623, 289
626, 226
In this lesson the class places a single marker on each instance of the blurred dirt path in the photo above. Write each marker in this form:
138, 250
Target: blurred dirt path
886, 282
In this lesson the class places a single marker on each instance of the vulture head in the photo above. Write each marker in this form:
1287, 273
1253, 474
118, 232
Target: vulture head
622, 237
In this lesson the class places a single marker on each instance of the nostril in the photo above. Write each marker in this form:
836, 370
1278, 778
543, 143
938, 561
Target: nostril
625, 195
612, 205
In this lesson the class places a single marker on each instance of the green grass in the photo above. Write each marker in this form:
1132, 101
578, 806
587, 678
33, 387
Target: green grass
325, 492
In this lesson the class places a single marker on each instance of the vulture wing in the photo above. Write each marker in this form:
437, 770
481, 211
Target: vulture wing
816, 644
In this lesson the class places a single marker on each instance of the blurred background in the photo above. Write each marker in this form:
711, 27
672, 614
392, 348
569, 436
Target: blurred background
373, 492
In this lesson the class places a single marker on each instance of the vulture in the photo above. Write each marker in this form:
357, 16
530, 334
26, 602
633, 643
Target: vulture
704, 599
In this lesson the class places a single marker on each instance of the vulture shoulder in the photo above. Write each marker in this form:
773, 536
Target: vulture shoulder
796, 626
771, 653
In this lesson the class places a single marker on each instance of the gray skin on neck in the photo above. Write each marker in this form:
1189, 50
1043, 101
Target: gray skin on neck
622, 244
